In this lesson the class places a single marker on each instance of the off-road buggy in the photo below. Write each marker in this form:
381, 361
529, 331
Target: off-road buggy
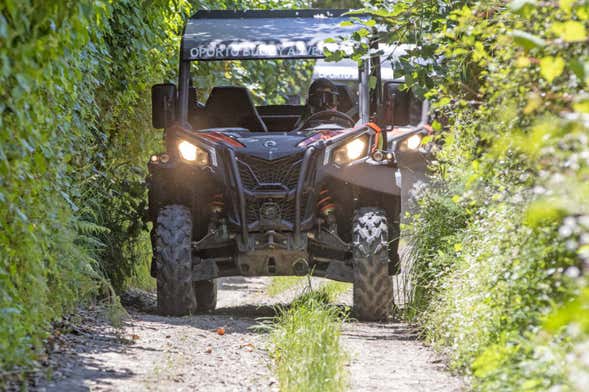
240, 191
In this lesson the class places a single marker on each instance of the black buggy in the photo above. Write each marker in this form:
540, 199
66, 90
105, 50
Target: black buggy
265, 191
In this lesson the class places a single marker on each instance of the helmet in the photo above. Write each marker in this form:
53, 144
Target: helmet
323, 95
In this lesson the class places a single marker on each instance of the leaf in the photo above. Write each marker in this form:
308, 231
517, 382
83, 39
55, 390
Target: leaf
582, 105
551, 67
534, 102
444, 101
522, 62
519, 6
566, 5
526, 40
570, 31
581, 70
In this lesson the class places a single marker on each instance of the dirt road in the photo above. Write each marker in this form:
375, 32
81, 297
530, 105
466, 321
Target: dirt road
154, 353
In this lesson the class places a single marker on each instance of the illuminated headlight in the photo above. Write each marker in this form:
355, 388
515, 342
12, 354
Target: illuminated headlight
193, 154
414, 142
351, 151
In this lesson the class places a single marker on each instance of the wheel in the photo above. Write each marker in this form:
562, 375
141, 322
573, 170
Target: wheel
205, 292
373, 287
173, 255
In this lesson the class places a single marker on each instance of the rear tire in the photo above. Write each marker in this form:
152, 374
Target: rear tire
205, 292
373, 287
173, 255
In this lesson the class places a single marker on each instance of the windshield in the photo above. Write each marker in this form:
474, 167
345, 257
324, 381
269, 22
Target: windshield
270, 82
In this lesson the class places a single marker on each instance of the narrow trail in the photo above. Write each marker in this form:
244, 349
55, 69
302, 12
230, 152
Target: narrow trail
389, 357
155, 353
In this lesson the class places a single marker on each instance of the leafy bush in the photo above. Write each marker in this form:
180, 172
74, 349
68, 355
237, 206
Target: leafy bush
74, 120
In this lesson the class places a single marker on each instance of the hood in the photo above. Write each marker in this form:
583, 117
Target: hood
270, 146
264, 145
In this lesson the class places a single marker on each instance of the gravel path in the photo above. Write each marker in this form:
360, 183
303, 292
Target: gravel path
177, 353
155, 353
389, 357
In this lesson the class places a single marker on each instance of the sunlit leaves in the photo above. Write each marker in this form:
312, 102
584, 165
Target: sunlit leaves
551, 67
526, 130
570, 31
581, 104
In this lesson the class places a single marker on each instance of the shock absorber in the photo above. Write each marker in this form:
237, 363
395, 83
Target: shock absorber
217, 204
217, 223
325, 205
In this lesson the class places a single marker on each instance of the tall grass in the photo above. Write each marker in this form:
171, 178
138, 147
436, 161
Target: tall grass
280, 284
305, 345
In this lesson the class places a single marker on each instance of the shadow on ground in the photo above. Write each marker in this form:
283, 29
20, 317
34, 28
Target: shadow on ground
382, 331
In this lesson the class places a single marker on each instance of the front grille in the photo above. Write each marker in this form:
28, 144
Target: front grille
253, 207
280, 174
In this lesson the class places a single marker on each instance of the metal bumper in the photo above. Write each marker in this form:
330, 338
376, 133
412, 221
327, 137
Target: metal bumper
240, 202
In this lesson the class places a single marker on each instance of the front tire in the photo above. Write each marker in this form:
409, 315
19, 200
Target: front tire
373, 287
173, 255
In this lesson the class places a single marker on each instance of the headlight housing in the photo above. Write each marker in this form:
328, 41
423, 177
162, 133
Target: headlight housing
352, 150
193, 153
413, 142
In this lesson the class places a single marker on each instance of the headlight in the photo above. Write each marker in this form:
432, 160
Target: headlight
193, 154
351, 151
414, 142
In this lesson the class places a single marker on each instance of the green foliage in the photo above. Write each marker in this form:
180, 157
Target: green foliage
74, 115
305, 345
501, 236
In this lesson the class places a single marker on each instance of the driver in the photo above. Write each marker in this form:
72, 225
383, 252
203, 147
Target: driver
323, 97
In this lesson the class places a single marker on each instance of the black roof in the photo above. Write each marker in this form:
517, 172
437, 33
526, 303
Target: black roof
262, 34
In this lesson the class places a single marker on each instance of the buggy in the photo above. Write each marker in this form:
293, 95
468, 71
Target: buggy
245, 190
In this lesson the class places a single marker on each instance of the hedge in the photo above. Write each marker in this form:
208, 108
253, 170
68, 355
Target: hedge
500, 241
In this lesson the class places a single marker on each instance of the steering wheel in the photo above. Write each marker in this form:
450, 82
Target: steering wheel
327, 115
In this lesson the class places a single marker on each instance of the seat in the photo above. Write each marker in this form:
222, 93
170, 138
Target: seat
233, 107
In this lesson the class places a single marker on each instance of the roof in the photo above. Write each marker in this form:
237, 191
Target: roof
257, 34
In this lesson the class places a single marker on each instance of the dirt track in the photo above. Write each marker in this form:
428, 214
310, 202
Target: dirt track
187, 354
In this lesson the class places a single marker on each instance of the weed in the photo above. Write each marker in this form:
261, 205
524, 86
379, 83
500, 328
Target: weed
305, 345
280, 284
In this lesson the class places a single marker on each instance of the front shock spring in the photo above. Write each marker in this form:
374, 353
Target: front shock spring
217, 203
325, 205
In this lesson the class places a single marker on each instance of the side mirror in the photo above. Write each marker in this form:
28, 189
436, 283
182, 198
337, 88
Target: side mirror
163, 105
400, 107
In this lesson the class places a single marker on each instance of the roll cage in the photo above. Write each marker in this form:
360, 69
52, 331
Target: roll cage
269, 35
